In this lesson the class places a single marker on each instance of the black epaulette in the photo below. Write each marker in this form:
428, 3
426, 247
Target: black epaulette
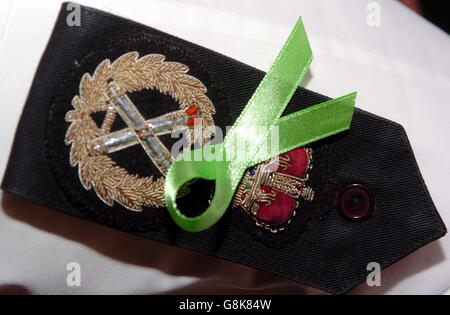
320, 218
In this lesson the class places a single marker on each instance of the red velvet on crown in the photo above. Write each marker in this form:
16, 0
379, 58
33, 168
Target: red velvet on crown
280, 210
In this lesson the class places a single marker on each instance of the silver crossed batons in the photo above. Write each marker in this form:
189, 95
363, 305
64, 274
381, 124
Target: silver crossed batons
141, 131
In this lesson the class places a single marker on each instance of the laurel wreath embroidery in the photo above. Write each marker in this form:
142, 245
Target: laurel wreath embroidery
111, 182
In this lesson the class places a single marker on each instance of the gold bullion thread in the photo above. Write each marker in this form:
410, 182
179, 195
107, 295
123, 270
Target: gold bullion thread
111, 182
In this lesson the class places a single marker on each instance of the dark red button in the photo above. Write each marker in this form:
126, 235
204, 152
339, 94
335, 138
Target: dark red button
356, 202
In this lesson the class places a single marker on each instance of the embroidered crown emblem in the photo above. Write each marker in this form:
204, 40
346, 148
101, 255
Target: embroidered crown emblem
270, 191
106, 91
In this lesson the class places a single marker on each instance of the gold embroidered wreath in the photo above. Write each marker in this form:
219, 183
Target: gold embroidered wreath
110, 181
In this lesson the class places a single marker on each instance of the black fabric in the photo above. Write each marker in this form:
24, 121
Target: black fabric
320, 248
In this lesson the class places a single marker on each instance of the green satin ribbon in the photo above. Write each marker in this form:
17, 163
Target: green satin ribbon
263, 109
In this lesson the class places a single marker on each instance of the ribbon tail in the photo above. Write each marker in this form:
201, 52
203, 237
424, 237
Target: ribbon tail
279, 84
310, 125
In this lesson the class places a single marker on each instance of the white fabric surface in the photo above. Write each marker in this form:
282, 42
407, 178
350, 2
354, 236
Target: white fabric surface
400, 69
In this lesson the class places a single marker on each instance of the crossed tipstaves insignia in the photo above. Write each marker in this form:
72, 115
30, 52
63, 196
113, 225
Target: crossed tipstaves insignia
106, 91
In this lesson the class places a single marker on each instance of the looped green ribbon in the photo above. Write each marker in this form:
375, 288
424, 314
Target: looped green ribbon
263, 109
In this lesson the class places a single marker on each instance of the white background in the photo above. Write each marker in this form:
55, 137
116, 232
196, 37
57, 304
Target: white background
400, 70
